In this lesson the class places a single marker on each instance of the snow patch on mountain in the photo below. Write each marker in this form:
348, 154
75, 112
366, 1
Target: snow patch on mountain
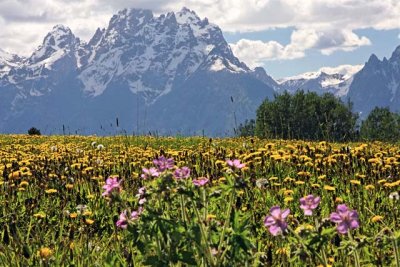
97, 76
393, 86
345, 71
335, 80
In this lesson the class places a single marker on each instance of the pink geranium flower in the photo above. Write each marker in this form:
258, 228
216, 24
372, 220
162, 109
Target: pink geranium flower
235, 163
345, 219
309, 203
200, 181
182, 173
147, 173
163, 163
124, 219
276, 221
112, 185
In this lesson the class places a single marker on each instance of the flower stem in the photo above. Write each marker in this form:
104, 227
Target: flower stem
356, 256
396, 251
206, 249
183, 209
325, 259
227, 216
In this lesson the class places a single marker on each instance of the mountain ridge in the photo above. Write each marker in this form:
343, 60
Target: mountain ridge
133, 65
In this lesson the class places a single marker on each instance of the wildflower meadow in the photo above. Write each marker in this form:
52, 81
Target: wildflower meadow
152, 201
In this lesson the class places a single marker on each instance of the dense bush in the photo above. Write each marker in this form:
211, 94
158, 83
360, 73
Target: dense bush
34, 131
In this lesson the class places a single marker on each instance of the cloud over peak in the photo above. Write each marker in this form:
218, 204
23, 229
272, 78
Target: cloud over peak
327, 41
326, 25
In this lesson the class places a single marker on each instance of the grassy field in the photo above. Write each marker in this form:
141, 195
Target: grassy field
137, 201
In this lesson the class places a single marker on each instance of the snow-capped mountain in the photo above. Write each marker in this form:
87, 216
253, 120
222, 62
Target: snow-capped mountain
377, 84
154, 54
7, 62
172, 73
335, 80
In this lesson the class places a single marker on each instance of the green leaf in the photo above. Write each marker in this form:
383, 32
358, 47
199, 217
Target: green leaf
188, 258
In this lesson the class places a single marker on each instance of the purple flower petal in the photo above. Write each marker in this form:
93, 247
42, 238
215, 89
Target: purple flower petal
307, 212
342, 208
200, 181
354, 224
335, 217
275, 230
275, 211
285, 213
269, 220
342, 228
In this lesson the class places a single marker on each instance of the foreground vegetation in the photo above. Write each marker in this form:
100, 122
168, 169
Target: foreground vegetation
133, 201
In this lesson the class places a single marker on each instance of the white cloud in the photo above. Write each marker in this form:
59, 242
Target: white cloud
25, 22
254, 52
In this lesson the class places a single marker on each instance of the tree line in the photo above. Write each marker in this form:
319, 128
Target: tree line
309, 116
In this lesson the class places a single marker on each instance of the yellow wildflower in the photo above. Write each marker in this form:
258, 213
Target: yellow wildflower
338, 200
288, 199
315, 186
45, 253
288, 192
87, 213
329, 188
51, 191
369, 187
376, 218
24, 183
40, 215
211, 216
282, 251
89, 221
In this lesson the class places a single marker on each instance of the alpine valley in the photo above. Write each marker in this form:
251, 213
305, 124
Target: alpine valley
169, 74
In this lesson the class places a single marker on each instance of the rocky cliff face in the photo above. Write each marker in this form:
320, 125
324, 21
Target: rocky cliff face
377, 84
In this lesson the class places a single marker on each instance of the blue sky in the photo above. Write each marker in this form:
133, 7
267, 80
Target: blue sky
287, 37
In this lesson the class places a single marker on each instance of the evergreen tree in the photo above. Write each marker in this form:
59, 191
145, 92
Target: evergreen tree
306, 116
381, 124
246, 129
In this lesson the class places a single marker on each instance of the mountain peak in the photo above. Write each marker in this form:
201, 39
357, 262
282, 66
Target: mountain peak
187, 16
60, 37
131, 17
59, 40
60, 28
4, 55
396, 54
373, 59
